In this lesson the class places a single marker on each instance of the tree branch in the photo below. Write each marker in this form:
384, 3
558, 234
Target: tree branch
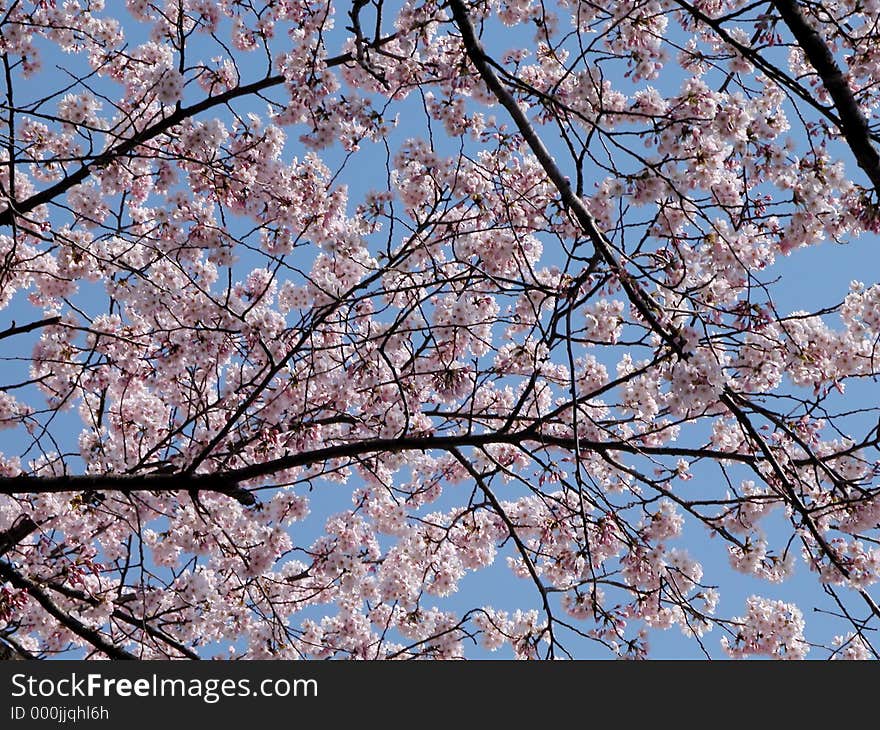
95, 638
772, 71
643, 303
25, 206
20, 529
21, 329
853, 123
131, 620
228, 482
127, 483
10, 651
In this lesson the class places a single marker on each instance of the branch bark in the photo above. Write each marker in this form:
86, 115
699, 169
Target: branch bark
21, 329
639, 299
126, 483
10, 653
228, 482
20, 529
853, 123
23, 207
93, 637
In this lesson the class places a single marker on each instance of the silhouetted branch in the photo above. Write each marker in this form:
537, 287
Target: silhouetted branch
95, 638
20, 529
21, 329
853, 124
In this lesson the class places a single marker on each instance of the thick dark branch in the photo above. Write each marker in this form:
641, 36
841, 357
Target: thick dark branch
772, 71
127, 483
140, 623
449, 443
20, 529
643, 303
25, 206
21, 329
853, 123
228, 482
95, 638
10, 651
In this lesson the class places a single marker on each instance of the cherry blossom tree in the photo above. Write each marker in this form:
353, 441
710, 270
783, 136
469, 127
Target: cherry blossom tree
432, 328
